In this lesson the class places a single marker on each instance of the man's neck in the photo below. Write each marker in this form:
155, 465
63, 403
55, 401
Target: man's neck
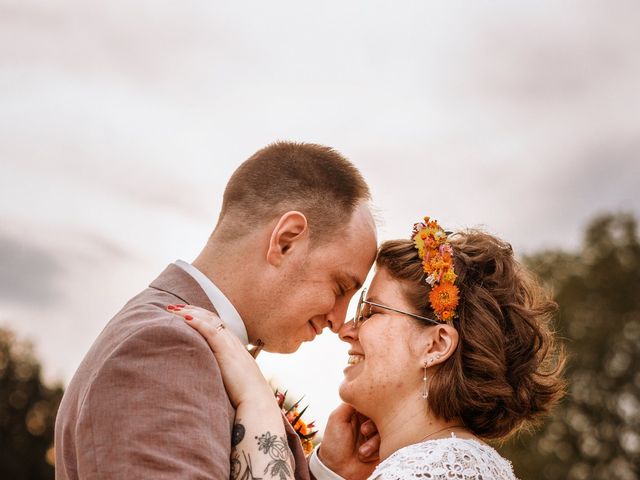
224, 268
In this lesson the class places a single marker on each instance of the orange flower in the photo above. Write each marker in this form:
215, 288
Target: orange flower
307, 446
443, 297
301, 427
447, 315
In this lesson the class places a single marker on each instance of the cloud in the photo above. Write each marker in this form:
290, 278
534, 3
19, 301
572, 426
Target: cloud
28, 274
124, 120
35, 275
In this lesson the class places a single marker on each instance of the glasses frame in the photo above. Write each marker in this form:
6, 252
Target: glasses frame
359, 319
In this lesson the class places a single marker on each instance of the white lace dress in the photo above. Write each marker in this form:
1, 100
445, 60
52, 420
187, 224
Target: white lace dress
446, 458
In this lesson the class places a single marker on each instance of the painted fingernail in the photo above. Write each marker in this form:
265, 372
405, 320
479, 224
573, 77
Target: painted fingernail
170, 307
188, 317
181, 305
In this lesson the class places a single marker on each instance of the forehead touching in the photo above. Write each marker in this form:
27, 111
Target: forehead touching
351, 252
359, 238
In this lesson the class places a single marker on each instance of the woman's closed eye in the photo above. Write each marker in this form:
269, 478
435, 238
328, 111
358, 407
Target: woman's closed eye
368, 312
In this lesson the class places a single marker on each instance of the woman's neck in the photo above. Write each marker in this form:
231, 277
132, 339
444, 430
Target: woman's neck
406, 426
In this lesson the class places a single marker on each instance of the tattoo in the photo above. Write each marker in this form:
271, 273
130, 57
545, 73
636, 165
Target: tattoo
278, 450
237, 435
236, 467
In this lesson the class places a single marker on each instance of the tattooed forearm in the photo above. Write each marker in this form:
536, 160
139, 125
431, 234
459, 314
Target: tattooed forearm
268, 451
238, 434
242, 470
281, 457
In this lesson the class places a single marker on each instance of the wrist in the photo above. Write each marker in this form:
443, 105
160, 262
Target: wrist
327, 462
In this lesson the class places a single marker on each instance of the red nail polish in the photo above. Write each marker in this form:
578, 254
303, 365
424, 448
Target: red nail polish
181, 305
171, 307
188, 317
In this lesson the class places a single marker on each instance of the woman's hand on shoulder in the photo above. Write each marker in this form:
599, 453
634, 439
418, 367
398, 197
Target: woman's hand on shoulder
242, 378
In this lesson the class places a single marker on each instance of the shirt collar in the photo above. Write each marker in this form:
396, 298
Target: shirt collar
227, 312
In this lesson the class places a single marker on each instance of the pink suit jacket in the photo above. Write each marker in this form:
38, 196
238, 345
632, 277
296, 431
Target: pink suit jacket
148, 400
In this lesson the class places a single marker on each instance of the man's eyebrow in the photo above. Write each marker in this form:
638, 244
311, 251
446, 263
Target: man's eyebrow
349, 280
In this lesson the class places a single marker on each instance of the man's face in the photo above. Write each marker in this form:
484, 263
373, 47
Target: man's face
314, 292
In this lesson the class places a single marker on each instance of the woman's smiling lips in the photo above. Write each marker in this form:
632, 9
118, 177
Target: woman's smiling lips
355, 357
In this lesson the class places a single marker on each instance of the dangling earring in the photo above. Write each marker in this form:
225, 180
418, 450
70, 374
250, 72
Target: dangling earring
425, 382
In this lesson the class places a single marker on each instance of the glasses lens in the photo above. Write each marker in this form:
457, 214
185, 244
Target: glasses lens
358, 318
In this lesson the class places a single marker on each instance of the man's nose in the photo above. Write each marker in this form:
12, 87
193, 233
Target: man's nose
334, 324
336, 317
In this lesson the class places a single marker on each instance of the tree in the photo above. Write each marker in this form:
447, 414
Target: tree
27, 413
594, 434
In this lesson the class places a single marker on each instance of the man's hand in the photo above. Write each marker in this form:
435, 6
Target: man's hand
350, 444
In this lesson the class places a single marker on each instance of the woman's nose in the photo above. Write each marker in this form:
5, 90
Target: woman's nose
348, 332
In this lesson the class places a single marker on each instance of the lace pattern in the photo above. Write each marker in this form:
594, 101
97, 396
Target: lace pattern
445, 459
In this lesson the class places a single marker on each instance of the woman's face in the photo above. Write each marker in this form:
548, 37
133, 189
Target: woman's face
386, 351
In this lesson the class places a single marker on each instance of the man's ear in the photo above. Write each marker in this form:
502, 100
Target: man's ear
290, 233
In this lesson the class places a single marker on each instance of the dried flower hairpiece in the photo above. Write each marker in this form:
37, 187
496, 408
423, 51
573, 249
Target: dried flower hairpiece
436, 254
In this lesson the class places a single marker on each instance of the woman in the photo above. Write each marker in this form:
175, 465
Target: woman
449, 347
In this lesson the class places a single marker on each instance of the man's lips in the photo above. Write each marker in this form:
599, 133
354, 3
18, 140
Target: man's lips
316, 328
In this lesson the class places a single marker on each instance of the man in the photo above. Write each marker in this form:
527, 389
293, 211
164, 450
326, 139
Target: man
294, 241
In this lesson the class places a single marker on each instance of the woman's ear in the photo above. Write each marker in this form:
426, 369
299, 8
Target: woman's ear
290, 233
443, 341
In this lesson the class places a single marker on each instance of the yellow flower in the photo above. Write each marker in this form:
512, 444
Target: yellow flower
449, 277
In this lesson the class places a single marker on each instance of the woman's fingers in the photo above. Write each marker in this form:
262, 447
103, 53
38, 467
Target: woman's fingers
240, 373
369, 451
210, 326
189, 312
368, 428
207, 329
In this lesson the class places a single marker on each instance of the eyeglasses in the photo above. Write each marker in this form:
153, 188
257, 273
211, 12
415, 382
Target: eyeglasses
363, 311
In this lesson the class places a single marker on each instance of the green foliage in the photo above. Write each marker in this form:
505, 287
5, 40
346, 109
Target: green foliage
594, 434
27, 413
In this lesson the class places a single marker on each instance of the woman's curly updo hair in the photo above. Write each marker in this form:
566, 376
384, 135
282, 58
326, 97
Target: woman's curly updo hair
506, 372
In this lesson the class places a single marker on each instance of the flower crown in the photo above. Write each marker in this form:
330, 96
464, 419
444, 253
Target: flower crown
436, 254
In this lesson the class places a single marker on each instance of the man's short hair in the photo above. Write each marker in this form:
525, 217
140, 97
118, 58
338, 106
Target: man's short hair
313, 179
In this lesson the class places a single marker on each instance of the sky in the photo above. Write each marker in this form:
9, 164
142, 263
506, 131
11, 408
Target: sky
121, 121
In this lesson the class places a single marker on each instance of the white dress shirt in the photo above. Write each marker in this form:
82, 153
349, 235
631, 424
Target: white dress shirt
226, 311
319, 469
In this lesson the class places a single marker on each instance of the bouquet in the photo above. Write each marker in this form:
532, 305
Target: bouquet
294, 416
